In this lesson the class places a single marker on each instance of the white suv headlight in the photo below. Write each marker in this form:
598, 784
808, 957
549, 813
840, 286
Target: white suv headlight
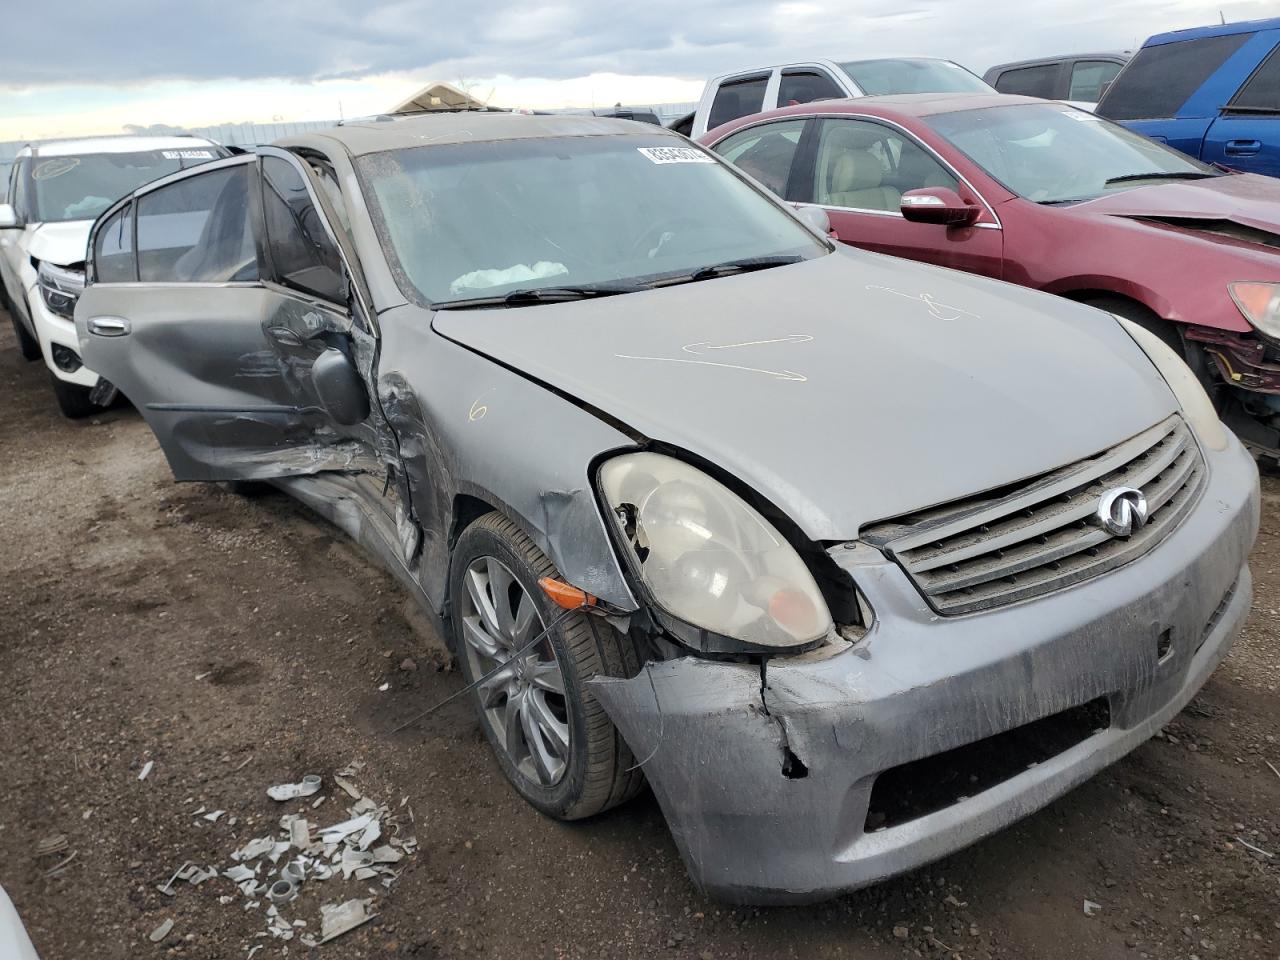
1196, 406
708, 558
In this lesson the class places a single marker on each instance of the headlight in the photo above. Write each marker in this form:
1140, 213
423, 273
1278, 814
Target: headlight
708, 558
1260, 304
60, 288
1196, 406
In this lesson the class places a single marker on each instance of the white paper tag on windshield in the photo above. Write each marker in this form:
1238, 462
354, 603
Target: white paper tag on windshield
187, 154
675, 155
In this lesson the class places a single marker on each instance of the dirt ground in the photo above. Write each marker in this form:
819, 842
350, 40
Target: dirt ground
242, 642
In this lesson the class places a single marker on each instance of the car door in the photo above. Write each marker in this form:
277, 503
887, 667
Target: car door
1246, 133
857, 169
12, 246
212, 298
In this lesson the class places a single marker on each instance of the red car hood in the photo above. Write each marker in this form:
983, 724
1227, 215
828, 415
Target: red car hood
1247, 199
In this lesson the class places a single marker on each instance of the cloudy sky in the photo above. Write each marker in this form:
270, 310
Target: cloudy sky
103, 65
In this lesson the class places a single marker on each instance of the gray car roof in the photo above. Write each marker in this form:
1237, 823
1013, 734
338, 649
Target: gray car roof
396, 133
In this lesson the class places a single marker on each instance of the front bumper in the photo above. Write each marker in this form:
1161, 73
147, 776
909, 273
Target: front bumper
52, 329
720, 749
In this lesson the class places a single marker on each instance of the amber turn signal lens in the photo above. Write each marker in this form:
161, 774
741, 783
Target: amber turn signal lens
566, 595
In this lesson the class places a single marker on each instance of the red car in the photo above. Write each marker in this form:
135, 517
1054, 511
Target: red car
1045, 195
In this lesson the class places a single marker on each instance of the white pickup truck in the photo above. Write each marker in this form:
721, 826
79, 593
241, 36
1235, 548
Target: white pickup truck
742, 92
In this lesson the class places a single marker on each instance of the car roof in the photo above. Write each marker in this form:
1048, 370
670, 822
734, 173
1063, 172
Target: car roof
378, 134
1036, 61
913, 105
1214, 30
122, 144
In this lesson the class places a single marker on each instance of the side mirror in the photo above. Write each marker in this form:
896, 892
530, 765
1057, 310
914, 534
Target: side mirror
9, 217
938, 205
340, 387
816, 219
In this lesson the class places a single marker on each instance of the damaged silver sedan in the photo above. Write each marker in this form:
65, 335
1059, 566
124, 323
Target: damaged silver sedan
854, 560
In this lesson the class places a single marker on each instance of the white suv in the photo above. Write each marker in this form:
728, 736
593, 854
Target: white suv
55, 192
737, 94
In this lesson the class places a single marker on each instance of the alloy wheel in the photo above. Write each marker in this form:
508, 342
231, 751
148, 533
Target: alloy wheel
524, 702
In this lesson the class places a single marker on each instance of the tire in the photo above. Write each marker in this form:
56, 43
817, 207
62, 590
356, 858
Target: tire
1166, 330
28, 345
73, 400
594, 772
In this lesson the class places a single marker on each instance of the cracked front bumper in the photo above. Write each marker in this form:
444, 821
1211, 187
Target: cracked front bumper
715, 741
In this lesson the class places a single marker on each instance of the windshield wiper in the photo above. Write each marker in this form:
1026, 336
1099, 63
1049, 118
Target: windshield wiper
1159, 175
535, 295
730, 267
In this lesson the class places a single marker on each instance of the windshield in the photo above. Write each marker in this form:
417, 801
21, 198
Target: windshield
482, 219
880, 77
81, 187
1053, 153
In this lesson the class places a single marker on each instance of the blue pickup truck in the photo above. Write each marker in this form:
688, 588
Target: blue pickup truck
1212, 92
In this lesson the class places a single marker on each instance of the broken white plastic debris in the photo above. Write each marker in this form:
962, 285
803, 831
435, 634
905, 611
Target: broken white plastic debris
337, 919
240, 873
308, 785
384, 688
386, 854
354, 860
348, 787
282, 891
252, 950
213, 817
300, 833
294, 872
371, 833
162, 931
146, 769
339, 831
254, 849
1091, 908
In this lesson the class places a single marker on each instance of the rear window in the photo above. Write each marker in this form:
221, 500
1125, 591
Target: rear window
1039, 81
1261, 92
1160, 79
737, 98
882, 77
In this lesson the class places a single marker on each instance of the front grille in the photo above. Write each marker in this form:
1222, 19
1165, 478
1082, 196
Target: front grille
921, 787
1035, 537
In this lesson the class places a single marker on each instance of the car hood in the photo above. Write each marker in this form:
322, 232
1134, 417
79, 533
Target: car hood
846, 389
60, 243
1247, 199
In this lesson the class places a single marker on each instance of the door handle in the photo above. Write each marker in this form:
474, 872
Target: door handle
1243, 148
284, 335
108, 326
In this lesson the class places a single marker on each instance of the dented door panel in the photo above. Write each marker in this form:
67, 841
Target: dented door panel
225, 400
473, 432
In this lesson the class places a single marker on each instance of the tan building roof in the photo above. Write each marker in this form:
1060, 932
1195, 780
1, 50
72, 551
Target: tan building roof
439, 96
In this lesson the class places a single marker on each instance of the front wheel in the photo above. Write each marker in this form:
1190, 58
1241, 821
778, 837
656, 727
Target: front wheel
73, 400
551, 737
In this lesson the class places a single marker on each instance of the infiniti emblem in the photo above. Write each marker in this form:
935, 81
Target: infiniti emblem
1122, 511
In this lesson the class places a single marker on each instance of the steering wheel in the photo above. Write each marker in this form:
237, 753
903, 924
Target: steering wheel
652, 239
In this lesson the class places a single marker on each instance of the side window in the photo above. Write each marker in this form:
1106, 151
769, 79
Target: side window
1160, 79
1262, 90
198, 230
805, 86
113, 254
867, 166
737, 98
1088, 77
22, 188
302, 255
1039, 81
766, 152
